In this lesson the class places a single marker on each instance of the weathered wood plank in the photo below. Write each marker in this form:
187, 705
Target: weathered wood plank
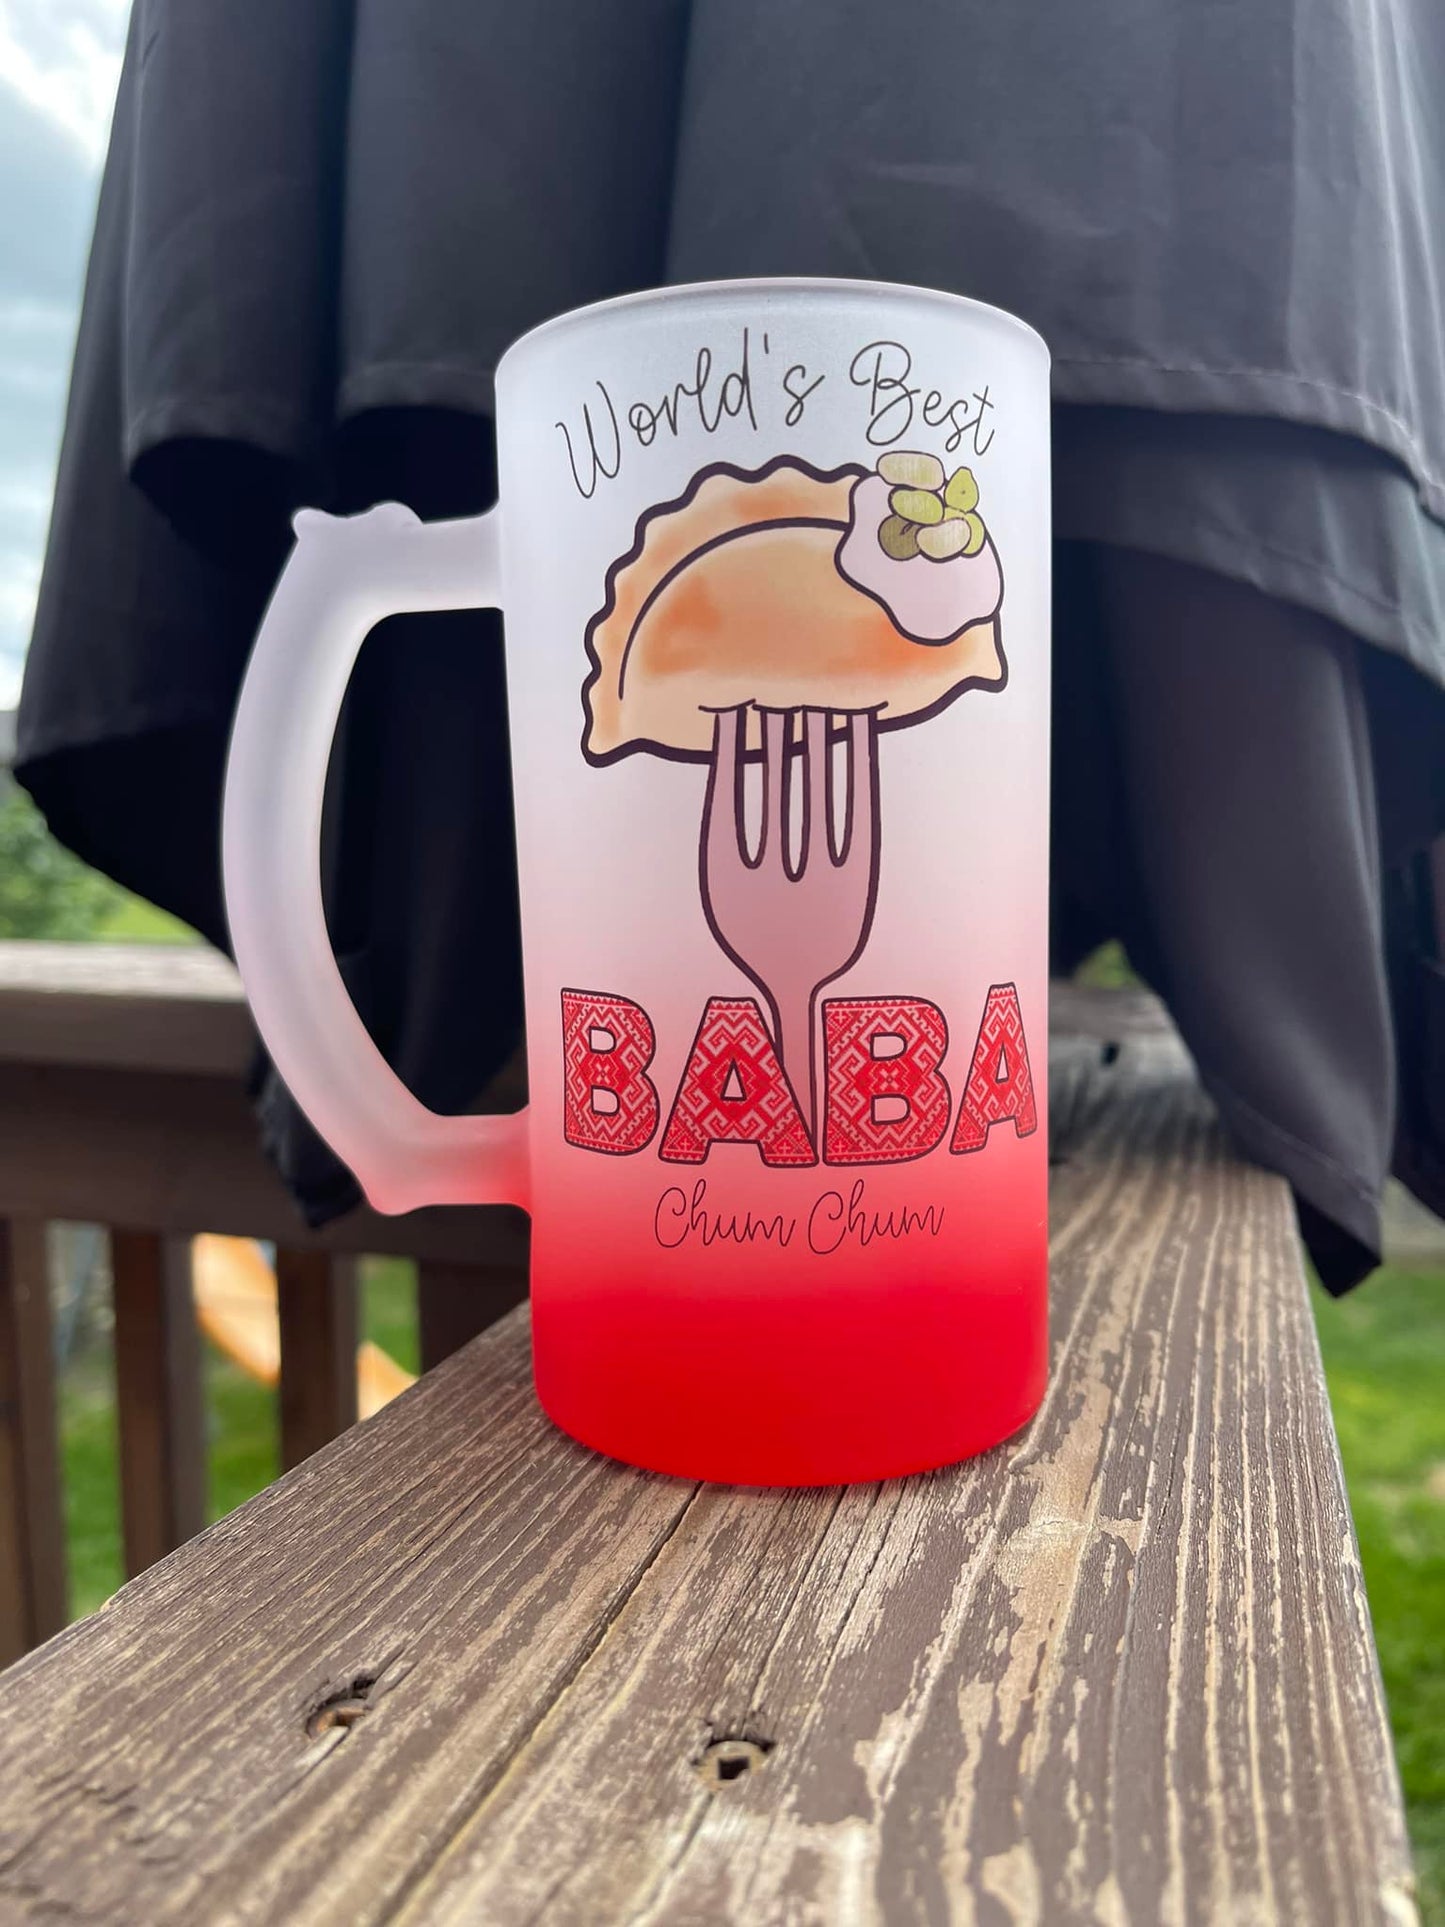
1120, 1669
179, 1763
158, 1007
181, 1154
317, 1304
32, 1521
122, 1102
158, 1396
455, 1302
126, 1006
1081, 1014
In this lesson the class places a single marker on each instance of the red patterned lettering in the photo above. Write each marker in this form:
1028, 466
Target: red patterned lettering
610, 1104
886, 1100
1000, 1084
735, 1091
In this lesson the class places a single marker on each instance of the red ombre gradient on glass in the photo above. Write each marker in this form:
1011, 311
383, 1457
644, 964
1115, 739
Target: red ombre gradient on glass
783, 1366
762, 1324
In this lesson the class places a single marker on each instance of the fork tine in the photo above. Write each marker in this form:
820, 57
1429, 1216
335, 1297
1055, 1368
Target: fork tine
736, 766
774, 835
863, 805
863, 780
845, 808
796, 798
816, 760
862, 776
722, 810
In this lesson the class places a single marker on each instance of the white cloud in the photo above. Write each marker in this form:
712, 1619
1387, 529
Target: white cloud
35, 340
24, 513
22, 496
63, 58
18, 587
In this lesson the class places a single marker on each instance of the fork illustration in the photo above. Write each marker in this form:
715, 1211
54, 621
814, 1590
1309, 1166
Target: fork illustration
793, 926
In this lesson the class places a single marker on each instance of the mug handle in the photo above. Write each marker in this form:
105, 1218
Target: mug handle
343, 576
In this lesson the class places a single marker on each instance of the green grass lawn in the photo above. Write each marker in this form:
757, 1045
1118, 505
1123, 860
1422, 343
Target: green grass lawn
241, 1434
1384, 1352
133, 920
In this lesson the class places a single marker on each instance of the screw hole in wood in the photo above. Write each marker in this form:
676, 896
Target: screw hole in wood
727, 1760
342, 1708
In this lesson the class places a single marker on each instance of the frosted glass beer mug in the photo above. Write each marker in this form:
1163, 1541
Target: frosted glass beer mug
774, 562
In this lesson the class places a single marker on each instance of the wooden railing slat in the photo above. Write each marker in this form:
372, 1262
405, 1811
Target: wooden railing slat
32, 1521
317, 1300
455, 1302
122, 1102
158, 1396
183, 1154
173, 1007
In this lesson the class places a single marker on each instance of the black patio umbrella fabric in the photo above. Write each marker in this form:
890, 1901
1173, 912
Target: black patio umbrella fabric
321, 225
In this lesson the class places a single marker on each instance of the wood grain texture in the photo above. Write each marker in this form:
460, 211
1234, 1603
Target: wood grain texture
455, 1302
157, 1396
122, 1101
181, 1154
150, 1007
169, 1759
1120, 1670
32, 1524
316, 1302
1117, 1670
131, 1006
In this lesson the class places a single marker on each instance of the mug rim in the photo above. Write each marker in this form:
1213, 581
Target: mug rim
687, 291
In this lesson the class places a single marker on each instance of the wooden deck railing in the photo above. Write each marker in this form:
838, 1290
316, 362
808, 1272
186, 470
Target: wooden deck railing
122, 1105
459, 1668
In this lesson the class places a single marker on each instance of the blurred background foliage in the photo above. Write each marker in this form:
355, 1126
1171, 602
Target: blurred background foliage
47, 892
44, 890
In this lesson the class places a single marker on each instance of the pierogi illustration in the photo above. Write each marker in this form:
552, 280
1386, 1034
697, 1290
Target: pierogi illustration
789, 617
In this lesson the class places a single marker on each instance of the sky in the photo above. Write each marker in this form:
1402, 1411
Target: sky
59, 62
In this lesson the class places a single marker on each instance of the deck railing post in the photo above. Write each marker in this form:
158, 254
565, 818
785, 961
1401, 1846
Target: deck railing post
158, 1396
32, 1521
123, 1103
455, 1302
316, 1296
